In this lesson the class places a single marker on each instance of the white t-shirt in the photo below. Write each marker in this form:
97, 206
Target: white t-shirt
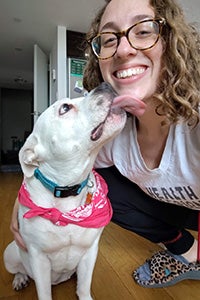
176, 180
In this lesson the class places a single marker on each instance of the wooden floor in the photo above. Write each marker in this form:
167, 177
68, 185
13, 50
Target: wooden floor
120, 253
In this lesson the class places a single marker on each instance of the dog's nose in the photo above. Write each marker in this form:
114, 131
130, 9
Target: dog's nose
105, 87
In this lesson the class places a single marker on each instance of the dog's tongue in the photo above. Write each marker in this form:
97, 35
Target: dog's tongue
132, 105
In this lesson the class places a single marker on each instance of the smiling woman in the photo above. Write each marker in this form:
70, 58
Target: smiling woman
147, 51
151, 154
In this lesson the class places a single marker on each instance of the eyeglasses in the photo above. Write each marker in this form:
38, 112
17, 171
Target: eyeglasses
141, 36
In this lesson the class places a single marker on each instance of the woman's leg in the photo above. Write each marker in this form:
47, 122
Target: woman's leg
157, 221
136, 211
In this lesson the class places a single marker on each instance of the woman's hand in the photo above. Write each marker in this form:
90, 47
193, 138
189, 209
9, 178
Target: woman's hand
14, 227
132, 105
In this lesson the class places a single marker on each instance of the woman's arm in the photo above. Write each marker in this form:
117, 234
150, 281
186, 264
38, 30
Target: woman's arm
14, 226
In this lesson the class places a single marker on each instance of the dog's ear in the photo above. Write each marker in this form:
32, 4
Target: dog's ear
28, 156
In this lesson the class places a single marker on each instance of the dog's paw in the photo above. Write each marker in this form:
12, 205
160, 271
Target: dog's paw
20, 281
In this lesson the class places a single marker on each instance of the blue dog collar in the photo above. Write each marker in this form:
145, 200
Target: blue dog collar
60, 191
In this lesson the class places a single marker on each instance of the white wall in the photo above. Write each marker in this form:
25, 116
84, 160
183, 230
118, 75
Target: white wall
58, 60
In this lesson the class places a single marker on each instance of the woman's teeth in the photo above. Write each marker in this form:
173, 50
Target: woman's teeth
129, 72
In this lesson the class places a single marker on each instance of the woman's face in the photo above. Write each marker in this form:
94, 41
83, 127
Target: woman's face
131, 72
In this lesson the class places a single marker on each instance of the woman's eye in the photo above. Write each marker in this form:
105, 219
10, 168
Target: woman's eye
144, 32
64, 108
109, 41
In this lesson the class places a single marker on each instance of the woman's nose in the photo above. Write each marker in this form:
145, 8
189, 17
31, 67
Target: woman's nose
124, 48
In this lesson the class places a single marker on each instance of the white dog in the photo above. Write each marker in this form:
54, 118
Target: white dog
63, 203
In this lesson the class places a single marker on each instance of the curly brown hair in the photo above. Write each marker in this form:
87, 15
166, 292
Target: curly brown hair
178, 90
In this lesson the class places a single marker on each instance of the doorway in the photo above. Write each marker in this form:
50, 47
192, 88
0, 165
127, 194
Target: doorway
16, 125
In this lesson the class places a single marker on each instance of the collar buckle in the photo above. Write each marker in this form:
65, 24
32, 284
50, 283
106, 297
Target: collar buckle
66, 191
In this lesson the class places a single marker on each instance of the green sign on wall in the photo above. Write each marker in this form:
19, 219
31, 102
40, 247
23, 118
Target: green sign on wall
77, 67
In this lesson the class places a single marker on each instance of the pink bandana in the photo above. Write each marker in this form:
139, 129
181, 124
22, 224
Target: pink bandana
97, 213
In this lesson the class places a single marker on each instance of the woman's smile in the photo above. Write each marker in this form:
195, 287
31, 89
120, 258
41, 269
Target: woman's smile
127, 73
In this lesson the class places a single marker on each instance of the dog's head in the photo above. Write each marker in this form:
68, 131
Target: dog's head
69, 133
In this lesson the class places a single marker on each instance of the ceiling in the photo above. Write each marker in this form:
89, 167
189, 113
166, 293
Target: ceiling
26, 22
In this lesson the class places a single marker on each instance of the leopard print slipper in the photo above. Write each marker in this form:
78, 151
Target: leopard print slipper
165, 269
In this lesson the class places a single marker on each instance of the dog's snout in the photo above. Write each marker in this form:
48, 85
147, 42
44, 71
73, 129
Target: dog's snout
105, 87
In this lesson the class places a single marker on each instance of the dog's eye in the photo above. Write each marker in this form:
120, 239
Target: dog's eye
64, 108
